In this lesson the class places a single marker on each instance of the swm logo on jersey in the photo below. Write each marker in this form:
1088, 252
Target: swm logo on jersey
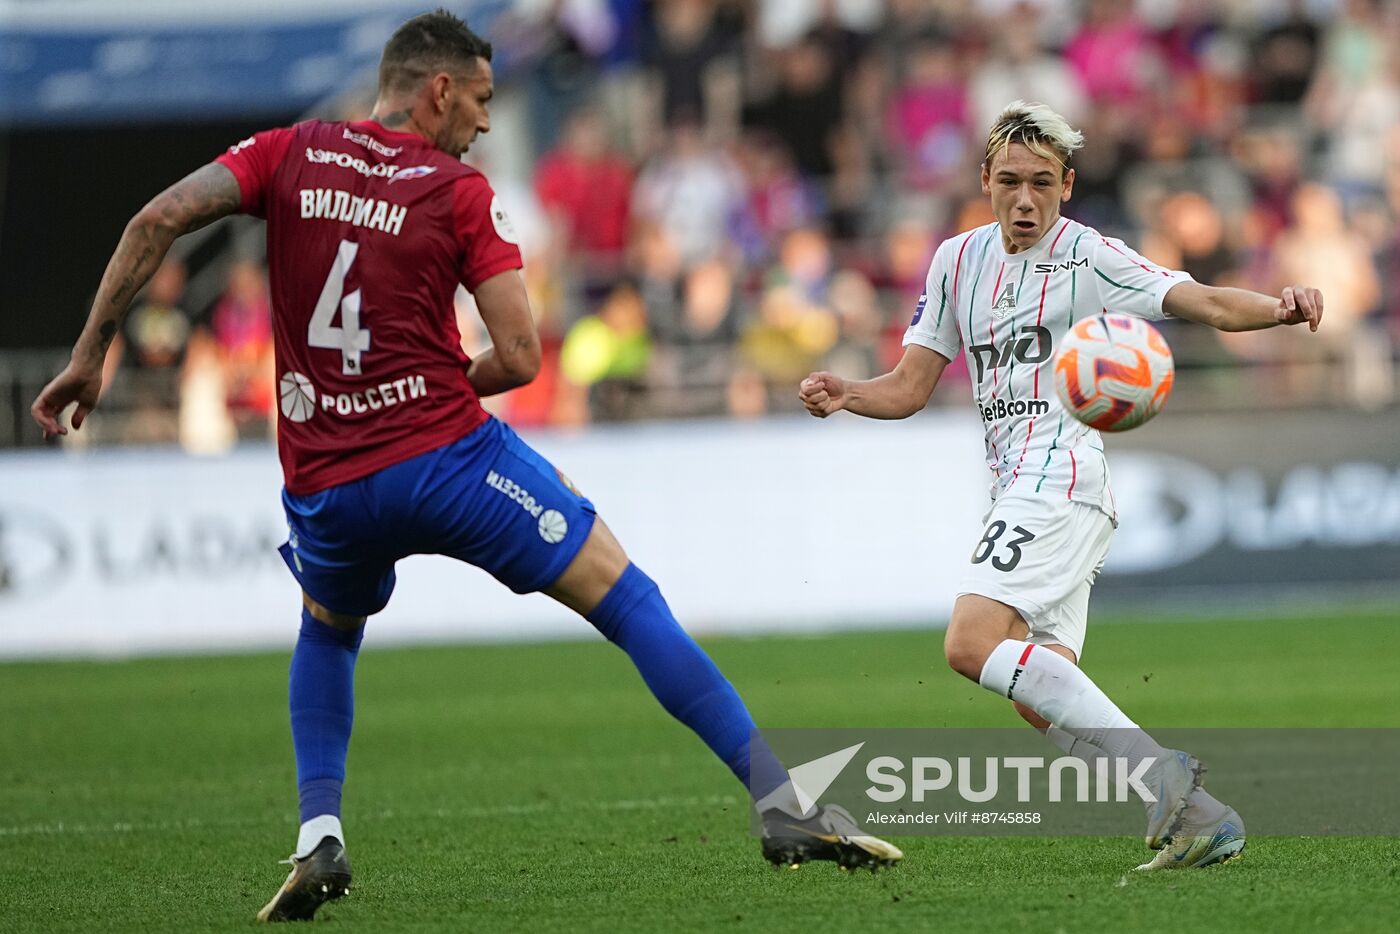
1044, 269
1032, 336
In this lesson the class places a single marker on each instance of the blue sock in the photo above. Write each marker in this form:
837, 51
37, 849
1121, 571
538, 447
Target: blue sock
634, 616
322, 691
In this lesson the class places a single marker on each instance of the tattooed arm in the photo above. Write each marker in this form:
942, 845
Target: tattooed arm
195, 201
513, 359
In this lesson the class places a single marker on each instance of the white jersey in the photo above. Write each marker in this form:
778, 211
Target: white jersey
1009, 312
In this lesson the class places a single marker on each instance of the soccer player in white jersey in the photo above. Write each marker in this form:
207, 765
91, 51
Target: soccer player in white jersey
1005, 294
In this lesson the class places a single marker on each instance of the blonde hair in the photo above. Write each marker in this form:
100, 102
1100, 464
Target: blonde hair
1038, 128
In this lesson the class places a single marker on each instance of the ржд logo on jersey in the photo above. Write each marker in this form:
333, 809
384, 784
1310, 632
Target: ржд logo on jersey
1032, 336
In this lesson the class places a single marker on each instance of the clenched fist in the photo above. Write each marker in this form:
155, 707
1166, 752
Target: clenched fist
823, 393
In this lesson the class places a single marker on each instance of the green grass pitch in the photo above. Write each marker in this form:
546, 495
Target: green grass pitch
539, 788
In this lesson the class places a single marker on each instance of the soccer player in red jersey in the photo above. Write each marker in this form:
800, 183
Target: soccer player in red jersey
385, 448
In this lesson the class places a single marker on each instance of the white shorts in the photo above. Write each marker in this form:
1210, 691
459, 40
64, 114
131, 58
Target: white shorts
1040, 555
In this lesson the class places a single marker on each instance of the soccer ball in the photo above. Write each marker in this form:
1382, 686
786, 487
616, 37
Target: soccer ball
1114, 372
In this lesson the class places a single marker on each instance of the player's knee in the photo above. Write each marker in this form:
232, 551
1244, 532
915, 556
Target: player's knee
966, 655
341, 621
594, 572
978, 626
633, 590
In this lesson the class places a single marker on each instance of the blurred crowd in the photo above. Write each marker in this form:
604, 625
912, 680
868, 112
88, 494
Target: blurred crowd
715, 197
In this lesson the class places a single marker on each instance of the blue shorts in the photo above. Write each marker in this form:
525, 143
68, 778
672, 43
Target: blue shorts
489, 500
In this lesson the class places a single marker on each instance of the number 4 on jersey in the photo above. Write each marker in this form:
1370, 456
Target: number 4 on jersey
350, 339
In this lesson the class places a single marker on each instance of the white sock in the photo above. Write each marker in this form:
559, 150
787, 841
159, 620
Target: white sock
1055, 688
316, 830
1081, 749
1072, 745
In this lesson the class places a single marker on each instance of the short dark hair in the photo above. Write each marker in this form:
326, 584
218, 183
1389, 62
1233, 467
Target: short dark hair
427, 44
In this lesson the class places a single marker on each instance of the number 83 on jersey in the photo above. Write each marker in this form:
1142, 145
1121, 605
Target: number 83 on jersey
1004, 555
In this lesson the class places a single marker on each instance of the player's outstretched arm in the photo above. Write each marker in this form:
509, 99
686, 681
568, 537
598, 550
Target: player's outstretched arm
513, 359
1242, 310
898, 394
200, 198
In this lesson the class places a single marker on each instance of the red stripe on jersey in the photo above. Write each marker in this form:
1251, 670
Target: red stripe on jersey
991, 335
992, 340
1073, 475
1000, 272
1030, 429
1131, 260
1057, 240
1039, 316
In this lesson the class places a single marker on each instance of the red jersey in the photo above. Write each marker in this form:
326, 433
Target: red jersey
369, 232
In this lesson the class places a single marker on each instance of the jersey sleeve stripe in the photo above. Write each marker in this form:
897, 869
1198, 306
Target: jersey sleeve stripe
1119, 285
1148, 268
932, 343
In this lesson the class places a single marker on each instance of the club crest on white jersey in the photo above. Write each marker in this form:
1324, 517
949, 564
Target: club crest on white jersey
1006, 303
